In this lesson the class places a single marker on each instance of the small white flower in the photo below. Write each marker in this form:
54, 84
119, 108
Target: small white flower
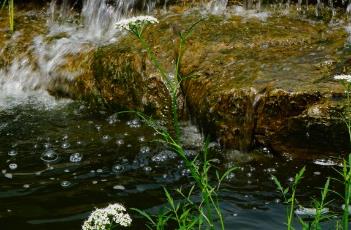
101, 219
133, 23
343, 77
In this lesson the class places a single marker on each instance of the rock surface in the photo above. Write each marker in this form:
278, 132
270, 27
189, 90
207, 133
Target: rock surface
251, 80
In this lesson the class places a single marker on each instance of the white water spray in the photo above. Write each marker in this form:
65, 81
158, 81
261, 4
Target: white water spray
26, 79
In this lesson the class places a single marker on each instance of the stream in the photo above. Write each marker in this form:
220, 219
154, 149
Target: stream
60, 159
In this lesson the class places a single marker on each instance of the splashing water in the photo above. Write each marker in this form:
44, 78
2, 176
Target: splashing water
217, 6
25, 81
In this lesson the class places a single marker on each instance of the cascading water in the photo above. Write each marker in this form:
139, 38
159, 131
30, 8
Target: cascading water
26, 79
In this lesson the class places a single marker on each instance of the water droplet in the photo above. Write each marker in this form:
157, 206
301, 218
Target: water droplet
12, 153
65, 184
49, 156
94, 182
317, 173
119, 187
99, 170
291, 179
76, 157
13, 166
141, 139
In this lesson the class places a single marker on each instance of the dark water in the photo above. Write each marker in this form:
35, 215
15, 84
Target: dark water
120, 162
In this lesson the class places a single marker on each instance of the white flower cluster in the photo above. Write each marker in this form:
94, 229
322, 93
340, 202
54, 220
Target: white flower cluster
343, 77
135, 22
103, 219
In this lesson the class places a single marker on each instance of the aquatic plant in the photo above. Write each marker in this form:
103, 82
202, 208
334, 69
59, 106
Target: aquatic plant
108, 218
11, 12
345, 80
291, 201
186, 213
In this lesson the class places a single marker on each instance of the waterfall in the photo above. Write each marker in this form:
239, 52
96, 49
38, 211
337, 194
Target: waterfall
217, 6
26, 79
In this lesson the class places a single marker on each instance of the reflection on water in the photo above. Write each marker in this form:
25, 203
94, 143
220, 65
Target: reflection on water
57, 165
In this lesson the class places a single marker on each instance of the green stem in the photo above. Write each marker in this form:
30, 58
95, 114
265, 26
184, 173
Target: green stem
11, 15
291, 211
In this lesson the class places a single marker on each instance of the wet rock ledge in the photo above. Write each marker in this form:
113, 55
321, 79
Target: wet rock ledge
253, 82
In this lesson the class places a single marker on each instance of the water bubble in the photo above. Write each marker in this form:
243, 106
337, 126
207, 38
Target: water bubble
185, 172
291, 179
65, 145
145, 149
310, 212
13, 166
317, 173
192, 153
129, 145
26, 186
343, 208
65, 137
147, 169
119, 187
99, 170
118, 168
134, 123
94, 182
49, 156
98, 127
164, 156
120, 142
230, 176
106, 138
141, 139
12, 153
47, 145
76, 157
66, 170
8, 175
271, 170
325, 162
112, 119
65, 184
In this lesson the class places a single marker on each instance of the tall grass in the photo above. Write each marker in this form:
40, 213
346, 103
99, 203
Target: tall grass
319, 210
11, 12
186, 213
